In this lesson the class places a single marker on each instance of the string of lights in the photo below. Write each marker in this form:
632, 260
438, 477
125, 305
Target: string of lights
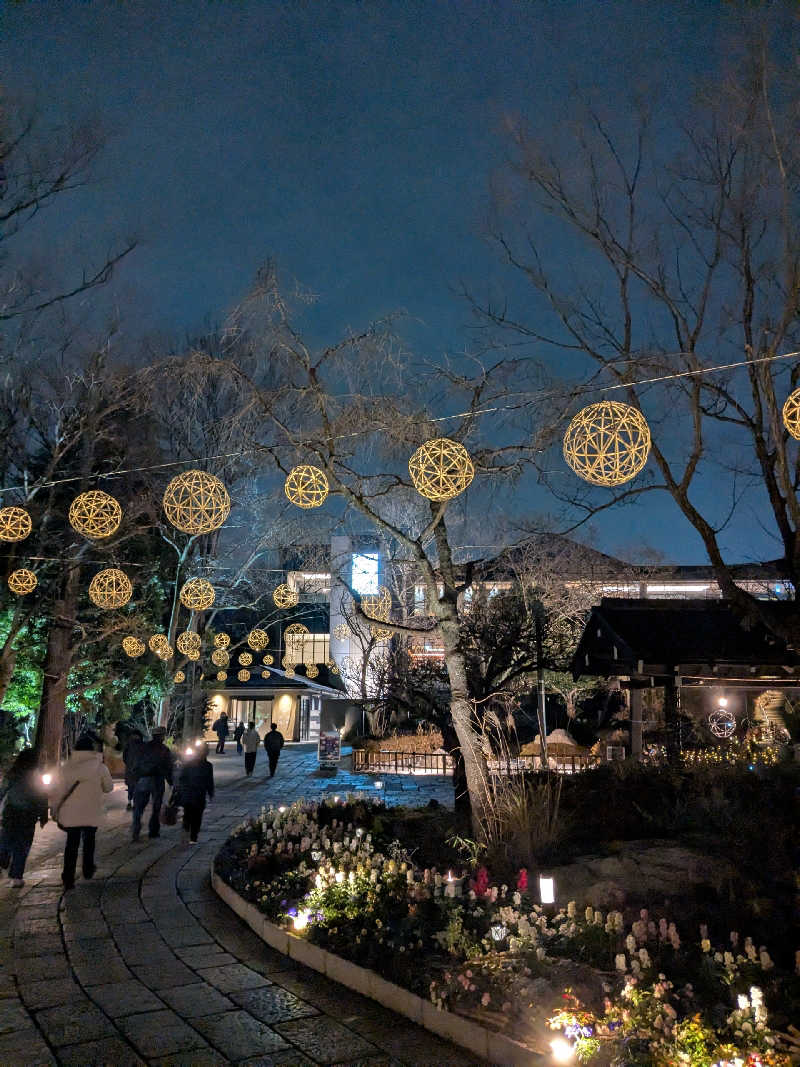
575, 392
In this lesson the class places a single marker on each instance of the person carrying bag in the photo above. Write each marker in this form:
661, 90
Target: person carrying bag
82, 781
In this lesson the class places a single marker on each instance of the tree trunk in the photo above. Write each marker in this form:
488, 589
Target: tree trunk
8, 660
50, 728
475, 772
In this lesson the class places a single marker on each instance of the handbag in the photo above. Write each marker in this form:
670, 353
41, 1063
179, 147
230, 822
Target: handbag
60, 804
169, 813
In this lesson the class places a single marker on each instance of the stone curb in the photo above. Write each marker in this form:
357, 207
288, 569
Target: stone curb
487, 1044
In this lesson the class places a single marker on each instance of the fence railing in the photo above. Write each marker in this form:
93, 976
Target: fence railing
368, 761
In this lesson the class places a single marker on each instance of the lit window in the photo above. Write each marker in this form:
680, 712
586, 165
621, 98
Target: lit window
364, 579
419, 599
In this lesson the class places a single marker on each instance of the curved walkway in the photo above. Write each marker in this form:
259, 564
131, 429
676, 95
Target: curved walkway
145, 964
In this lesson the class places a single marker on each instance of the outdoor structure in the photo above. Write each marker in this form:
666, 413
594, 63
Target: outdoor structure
691, 657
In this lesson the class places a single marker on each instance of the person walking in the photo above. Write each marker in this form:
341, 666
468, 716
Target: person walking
195, 783
78, 805
221, 729
250, 741
152, 769
133, 743
237, 737
25, 805
273, 743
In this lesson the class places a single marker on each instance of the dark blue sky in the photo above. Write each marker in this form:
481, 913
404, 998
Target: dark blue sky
352, 142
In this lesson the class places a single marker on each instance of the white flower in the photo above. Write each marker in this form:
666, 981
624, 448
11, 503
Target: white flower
620, 962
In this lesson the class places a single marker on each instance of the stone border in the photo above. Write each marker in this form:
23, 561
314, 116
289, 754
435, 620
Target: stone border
494, 1047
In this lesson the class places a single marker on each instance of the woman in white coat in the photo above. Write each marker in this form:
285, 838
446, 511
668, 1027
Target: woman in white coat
78, 805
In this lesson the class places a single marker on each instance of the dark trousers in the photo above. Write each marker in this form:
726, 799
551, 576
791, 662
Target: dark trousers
74, 836
147, 789
221, 743
192, 818
249, 762
273, 762
15, 844
238, 748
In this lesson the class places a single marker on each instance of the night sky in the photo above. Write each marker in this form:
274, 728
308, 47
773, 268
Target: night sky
355, 143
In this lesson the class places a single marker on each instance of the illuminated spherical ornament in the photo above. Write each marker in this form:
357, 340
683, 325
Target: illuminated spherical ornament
197, 594
268, 660
193, 654
441, 469
196, 502
158, 641
164, 652
285, 597
133, 647
286, 662
95, 515
378, 607
243, 675
295, 628
289, 672
341, 632
334, 669
607, 443
221, 640
22, 581
222, 676
220, 658
329, 663
258, 640
306, 486
265, 674
312, 670
179, 677
721, 723
245, 659
188, 641
110, 589
791, 415
15, 524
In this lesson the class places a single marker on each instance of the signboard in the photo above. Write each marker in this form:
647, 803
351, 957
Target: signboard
329, 749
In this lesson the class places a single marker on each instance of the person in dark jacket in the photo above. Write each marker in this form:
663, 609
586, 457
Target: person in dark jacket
132, 745
25, 805
273, 743
237, 737
221, 728
196, 782
153, 767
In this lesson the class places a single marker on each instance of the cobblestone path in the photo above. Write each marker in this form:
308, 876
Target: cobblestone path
144, 964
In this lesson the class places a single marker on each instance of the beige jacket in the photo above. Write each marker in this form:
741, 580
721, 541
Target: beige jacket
84, 805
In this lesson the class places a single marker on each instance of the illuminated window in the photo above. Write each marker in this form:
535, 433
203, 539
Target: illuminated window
364, 579
309, 581
308, 648
419, 599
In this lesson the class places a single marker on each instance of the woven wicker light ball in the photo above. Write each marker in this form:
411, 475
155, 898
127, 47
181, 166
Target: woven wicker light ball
334, 669
95, 515
179, 677
133, 647
265, 674
196, 502
243, 675
607, 443
197, 594
164, 652
222, 676
15, 524
22, 581
377, 605
341, 632
245, 658
221, 640
158, 641
285, 597
312, 670
258, 640
286, 662
306, 486
441, 469
791, 417
289, 672
220, 658
193, 654
110, 588
189, 641
295, 628
268, 660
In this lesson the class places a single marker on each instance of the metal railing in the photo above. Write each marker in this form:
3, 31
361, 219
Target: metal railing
370, 761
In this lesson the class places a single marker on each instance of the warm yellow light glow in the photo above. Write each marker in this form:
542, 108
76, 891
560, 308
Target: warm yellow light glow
547, 890
197, 594
441, 469
723, 702
110, 588
306, 486
22, 581
285, 597
301, 920
189, 752
196, 502
47, 779
15, 524
561, 1049
607, 443
95, 515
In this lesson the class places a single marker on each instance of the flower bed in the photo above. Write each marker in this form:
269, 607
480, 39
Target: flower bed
639, 991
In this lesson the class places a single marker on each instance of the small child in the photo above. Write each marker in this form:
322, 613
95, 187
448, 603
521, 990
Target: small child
25, 805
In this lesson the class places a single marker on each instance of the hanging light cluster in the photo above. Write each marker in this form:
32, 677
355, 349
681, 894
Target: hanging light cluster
258, 640
607, 443
220, 658
158, 641
179, 677
95, 515
189, 642
306, 486
243, 675
197, 594
245, 659
221, 640
222, 676
133, 647
196, 502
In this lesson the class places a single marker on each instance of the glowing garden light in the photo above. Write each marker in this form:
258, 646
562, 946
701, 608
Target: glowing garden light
547, 890
379, 784
723, 702
47, 779
562, 1050
189, 752
300, 920
498, 931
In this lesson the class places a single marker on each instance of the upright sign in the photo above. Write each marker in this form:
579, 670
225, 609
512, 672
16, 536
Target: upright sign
329, 749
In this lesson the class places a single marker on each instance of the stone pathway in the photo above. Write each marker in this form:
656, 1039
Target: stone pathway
144, 964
